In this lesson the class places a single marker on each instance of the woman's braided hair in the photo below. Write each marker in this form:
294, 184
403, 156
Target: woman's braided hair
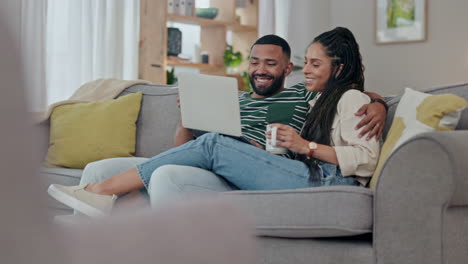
341, 46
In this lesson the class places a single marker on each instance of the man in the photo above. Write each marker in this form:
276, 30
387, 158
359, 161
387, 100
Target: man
270, 102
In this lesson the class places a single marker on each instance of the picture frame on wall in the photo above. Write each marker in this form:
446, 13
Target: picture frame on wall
400, 21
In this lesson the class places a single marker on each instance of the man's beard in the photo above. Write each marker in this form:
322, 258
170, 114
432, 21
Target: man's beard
268, 90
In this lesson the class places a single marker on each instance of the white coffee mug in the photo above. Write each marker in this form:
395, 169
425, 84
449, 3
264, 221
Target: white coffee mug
270, 145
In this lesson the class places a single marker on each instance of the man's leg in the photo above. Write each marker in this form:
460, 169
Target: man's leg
173, 182
104, 169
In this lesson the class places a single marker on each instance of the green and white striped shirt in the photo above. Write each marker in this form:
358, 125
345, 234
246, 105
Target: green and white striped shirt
288, 107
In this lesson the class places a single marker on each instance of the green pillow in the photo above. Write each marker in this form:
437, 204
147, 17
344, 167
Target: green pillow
85, 132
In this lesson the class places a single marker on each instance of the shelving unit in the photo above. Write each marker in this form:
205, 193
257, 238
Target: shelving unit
153, 59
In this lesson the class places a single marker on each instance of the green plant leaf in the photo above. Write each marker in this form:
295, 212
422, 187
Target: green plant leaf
231, 58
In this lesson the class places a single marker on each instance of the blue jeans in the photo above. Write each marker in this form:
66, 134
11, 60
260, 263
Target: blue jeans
245, 166
175, 182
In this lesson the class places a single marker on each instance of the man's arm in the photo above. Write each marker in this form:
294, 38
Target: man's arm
182, 135
374, 95
376, 114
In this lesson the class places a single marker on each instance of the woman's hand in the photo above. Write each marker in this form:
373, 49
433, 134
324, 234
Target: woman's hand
288, 137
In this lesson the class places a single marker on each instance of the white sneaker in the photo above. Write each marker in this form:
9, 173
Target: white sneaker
78, 198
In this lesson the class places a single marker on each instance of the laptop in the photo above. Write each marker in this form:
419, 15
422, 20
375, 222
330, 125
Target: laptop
210, 103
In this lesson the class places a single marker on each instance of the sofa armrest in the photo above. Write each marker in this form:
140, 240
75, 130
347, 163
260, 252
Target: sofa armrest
420, 184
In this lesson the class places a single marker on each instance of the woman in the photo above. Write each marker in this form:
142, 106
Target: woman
328, 151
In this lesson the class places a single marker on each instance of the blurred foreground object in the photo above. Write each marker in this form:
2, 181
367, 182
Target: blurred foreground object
195, 232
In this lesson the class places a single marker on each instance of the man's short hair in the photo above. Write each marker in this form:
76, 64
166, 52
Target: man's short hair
274, 40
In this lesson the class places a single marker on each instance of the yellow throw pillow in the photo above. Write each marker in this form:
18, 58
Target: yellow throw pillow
417, 113
85, 132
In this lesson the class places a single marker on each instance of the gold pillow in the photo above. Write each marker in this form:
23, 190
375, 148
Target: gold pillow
85, 132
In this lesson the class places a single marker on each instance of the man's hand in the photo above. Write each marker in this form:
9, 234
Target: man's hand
373, 122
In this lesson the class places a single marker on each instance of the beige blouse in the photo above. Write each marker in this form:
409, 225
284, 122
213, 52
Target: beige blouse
356, 156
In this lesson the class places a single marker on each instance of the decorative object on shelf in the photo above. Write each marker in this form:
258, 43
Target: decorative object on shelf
174, 41
241, 3
190, 4
170, 76
209, 12
173, 6
205, 57
170, 6
400, 21
232, 59
185, 8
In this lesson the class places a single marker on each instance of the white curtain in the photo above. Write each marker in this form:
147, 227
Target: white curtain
32, 43
266, 17
88, 40
274, 17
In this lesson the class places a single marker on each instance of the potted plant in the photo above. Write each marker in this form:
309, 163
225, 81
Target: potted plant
170, 76
232, 59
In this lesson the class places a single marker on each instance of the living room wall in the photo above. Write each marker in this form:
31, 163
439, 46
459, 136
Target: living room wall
441, 60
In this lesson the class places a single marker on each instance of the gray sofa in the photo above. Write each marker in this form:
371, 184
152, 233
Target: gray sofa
418, 212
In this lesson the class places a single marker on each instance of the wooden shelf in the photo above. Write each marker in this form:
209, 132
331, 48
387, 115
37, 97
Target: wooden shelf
201, 66
193, 20
153, 50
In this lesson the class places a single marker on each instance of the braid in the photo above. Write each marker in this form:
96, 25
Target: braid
343, 49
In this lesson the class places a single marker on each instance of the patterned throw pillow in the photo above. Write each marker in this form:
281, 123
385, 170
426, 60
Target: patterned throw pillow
418, 113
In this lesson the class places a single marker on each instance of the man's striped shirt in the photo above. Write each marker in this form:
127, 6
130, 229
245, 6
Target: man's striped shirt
288, 107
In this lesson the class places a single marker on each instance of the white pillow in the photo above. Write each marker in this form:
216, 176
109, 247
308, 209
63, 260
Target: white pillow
418, 113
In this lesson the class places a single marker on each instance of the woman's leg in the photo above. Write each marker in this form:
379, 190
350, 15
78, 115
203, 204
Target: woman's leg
119, 184
244, 165
98, 174
104, 169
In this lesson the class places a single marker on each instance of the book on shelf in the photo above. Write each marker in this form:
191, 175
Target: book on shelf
185, 7
173, 6
189, 5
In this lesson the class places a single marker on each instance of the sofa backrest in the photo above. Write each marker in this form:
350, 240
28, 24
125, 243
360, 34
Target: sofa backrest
459, 89
157, 120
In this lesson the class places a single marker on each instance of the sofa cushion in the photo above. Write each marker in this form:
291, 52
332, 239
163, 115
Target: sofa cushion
85, 132
419, 112
157, 120
331, 211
